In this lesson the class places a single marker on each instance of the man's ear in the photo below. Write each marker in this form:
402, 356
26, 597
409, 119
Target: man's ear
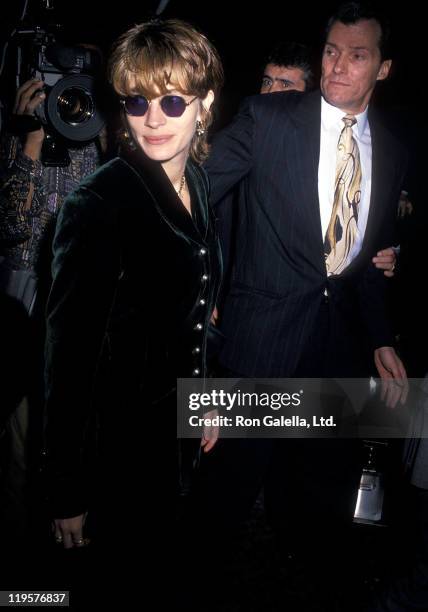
384, 69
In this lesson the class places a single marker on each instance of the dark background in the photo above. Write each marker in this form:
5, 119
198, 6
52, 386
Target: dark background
243, 32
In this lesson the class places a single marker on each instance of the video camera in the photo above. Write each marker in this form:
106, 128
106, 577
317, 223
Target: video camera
70, 109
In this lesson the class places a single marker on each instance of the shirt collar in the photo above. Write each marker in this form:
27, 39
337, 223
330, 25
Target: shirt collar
331, 117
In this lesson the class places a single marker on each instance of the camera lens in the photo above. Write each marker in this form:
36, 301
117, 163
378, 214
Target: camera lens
71, 108
75, 105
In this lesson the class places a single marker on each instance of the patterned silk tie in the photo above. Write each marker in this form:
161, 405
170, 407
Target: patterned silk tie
342, 229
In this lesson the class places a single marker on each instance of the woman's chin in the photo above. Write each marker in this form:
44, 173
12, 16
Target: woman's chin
163, 154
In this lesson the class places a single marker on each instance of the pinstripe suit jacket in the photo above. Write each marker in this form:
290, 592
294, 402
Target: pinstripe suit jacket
279, 278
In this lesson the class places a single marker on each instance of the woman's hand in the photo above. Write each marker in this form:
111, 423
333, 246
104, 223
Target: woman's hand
69, 531
210, 433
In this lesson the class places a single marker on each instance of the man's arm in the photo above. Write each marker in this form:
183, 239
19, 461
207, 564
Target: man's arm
372, 292
21, 189
373, 303
21, 193
231, 154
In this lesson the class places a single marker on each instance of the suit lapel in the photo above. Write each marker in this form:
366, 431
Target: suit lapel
383, 171
304, 175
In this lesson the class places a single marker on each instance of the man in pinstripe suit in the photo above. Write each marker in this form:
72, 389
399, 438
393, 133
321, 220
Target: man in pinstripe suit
284, 315
279, 278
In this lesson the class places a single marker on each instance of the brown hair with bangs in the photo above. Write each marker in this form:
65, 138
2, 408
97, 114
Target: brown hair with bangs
153, 56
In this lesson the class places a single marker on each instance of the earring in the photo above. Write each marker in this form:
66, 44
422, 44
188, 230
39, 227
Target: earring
127, 139
200, 130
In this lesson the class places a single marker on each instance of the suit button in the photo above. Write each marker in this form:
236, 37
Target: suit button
202, 302
202, 252
196, 350
205, 277
199, 326
196, 372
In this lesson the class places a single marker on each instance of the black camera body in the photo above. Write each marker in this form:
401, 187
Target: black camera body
70, 109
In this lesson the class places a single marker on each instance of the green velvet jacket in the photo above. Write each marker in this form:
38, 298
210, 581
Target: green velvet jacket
135, 279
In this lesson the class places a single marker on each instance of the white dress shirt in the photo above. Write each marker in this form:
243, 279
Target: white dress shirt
331, 127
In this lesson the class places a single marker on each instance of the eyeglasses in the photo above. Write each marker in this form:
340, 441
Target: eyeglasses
172, 106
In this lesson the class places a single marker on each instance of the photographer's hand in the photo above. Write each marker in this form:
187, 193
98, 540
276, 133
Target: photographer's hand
28, 98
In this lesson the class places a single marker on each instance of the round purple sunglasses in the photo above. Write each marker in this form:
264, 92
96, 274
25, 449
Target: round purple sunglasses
172, 106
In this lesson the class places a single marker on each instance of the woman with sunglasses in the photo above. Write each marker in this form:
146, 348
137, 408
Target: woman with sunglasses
135, 276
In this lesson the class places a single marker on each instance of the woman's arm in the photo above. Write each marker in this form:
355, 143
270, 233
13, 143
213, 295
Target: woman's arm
85, 272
